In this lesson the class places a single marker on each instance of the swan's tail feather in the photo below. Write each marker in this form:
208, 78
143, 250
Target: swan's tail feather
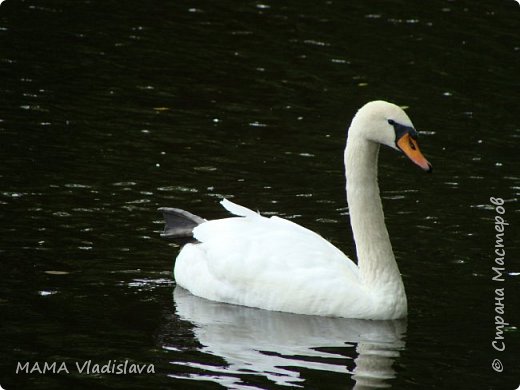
179, 223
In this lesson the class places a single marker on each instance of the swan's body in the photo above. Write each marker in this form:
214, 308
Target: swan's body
275, 264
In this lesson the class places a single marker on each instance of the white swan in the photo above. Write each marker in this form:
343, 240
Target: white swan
275, 264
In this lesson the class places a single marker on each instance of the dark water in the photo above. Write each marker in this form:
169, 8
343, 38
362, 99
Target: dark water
110, 109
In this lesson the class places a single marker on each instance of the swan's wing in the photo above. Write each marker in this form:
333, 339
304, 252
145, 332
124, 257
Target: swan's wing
264, 262
281, 242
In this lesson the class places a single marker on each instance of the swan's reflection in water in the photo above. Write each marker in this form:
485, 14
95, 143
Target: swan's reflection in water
278, 345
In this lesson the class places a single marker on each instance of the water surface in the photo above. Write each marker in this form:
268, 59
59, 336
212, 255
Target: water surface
110, 110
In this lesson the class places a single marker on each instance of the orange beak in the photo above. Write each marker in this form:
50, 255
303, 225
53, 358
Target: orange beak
410, 147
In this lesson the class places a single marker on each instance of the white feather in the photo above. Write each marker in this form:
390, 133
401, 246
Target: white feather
236, 209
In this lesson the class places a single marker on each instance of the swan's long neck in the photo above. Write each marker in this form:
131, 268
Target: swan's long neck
376, 259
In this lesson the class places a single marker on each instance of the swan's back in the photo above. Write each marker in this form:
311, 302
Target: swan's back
270, 263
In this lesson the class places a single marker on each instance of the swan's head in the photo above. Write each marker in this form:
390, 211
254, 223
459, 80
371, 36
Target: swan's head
388, 124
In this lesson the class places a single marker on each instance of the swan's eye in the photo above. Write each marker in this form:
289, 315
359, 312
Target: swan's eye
391, 122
